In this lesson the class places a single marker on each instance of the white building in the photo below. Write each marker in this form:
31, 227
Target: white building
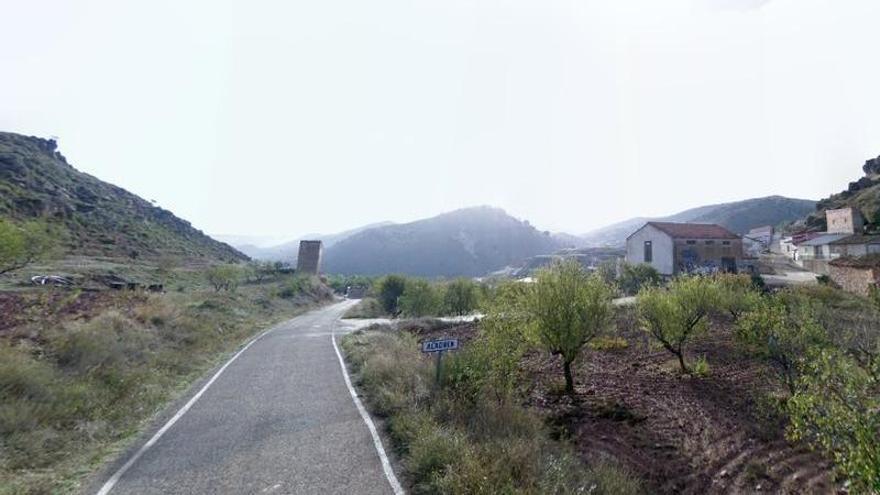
673, 248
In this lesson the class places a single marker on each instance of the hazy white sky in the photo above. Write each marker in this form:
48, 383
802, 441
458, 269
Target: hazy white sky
285, 117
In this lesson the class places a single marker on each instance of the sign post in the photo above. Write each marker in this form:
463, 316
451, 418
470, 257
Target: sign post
438, 347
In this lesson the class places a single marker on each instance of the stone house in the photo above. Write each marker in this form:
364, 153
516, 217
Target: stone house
856, 275
673, 248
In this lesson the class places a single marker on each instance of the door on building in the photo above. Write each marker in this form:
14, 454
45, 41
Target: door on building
728, 265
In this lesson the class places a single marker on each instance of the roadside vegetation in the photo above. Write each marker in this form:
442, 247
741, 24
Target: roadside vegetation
81, 371
470, 433
797, 369
395, 296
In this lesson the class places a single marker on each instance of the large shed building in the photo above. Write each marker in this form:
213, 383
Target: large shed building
673, 248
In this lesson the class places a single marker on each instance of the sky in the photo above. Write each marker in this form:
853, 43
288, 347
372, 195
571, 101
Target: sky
276, 118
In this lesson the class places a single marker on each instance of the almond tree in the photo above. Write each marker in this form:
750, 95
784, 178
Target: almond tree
569, 308
676, 314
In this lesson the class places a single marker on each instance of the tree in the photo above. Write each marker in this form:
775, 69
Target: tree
837, 410
389, 289
460, 297
224, 277
261, 270
737, 293
568, 308
784, 334
635, 277
21, 245
419, 298
675, 315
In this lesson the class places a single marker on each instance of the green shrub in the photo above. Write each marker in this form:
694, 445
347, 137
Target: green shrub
634, 278
606, 343
675, 316
388, 290
224, 277
419, 298
460, 297
782, 330
837, 410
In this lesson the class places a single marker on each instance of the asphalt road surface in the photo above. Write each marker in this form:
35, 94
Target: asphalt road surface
278, 419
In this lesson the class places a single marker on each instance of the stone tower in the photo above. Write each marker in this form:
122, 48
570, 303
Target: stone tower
308, 262
844, 221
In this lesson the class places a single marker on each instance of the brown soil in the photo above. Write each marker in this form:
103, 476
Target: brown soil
681, 434
52, 304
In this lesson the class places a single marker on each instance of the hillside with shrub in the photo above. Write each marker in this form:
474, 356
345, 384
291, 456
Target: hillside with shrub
91, 217
467, 242
862, 194
738, 216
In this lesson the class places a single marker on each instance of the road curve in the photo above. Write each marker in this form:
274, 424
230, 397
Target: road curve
279, 419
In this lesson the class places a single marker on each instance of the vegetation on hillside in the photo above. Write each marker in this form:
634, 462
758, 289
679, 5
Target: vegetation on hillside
862, 194
91, 217
469, 242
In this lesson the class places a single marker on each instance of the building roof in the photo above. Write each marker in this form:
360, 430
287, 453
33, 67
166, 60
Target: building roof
869, 261
767, 229
693, 230
858, 239
824, 239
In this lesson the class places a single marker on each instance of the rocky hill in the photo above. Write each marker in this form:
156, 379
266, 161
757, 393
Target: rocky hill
863, 194
739, 217
468, 242
92, 217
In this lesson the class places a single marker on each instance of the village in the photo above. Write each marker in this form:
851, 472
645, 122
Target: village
844, 254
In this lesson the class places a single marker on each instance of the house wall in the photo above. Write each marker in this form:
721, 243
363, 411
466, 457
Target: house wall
856, 280
662, 247
705, 254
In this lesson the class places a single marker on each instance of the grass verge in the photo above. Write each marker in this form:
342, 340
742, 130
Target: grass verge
456, 442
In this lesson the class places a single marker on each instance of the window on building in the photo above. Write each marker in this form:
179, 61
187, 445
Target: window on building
691, 242
649, 252
726, 243
710, 242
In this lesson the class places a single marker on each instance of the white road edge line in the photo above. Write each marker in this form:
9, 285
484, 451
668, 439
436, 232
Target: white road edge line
377, 442
125, 467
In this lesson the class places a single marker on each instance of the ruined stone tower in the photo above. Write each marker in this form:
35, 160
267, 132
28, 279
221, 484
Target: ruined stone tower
308, 262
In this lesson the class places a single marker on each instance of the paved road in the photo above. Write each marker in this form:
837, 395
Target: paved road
279, 419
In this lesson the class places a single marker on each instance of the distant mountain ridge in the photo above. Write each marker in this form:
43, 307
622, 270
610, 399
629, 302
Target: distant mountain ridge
737, 216
95, 218
288, 251
467, 242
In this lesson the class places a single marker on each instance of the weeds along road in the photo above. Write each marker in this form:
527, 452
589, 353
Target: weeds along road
278, 419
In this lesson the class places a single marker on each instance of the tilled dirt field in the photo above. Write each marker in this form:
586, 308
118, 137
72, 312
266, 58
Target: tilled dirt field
682, 434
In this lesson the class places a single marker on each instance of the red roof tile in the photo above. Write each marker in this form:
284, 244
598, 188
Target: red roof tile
694, 230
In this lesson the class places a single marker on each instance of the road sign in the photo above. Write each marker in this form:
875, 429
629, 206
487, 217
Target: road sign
440, 345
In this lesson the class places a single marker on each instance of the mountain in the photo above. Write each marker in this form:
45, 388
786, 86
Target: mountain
738, 216
93, 218
863, 195
467, 242
288, 251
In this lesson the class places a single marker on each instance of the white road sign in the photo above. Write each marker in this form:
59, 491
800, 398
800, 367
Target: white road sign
440, 345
